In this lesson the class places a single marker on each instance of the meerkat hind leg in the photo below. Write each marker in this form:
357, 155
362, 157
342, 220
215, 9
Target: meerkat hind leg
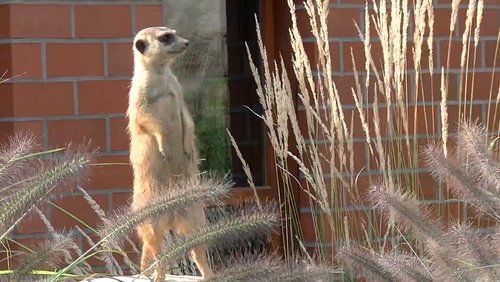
189, 226
199, 255
153, 243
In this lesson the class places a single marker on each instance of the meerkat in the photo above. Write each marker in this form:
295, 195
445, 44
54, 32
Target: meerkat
162, 141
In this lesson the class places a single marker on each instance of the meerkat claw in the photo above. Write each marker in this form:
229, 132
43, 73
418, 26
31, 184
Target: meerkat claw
165, 155
189, 154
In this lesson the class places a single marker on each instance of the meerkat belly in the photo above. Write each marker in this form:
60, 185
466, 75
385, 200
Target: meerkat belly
170, 111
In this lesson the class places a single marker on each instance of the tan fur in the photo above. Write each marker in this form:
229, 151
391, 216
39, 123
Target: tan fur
162, 141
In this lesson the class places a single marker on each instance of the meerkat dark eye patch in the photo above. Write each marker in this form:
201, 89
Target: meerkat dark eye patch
166, 38
141, 46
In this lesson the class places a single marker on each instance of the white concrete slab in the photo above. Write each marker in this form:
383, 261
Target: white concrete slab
136, 278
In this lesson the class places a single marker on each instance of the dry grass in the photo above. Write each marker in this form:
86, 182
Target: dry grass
390, 100
462, 252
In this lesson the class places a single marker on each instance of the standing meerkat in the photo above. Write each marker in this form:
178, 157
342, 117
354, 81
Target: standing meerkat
162, 141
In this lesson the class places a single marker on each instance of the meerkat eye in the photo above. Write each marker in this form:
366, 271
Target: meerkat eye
166, 38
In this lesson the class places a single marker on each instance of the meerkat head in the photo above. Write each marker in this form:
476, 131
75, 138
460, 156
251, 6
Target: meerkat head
158, 46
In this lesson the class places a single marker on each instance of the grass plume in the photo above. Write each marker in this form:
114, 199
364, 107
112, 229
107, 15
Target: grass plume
50, 254
457, 253
180, 196
249, 223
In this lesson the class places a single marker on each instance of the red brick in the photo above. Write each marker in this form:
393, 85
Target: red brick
299, 2
355, 197
359, 196
304, 191
62, 132
490, 50
425, 117
121, 200
320, 251
340, 22
313, 55
20, 245
120, 59
118, 175
32, 223
493, 120
26, 60
358, 51
93, 21
6, 99
449, 213
75, 59
489, 24
8, 129
93, 261
325, 150
20, 60
478, 218
424, 56
308, 228
303, 23
430, 88
442, 17
40, 99
79, 207
4, 21
453, 118
381, 120
303, 122
481, 85
147, 16
119, 136
357, 223
456, 55
5, 60
40, 21
428, 187
344, 85
103, 97
354, 122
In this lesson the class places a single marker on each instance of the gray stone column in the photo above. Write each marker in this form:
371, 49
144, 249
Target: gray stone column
202, 71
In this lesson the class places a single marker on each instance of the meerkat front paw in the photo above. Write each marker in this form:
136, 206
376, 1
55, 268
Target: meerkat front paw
165, 155
189, 151
189, 154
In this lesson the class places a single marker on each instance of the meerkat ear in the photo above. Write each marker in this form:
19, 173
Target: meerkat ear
141, 46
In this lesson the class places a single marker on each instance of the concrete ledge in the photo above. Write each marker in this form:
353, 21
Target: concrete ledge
136, 278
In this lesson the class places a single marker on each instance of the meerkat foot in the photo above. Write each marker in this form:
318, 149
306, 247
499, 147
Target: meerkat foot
159, 275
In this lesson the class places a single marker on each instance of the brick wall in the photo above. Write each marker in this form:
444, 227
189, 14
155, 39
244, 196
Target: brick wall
72, 62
